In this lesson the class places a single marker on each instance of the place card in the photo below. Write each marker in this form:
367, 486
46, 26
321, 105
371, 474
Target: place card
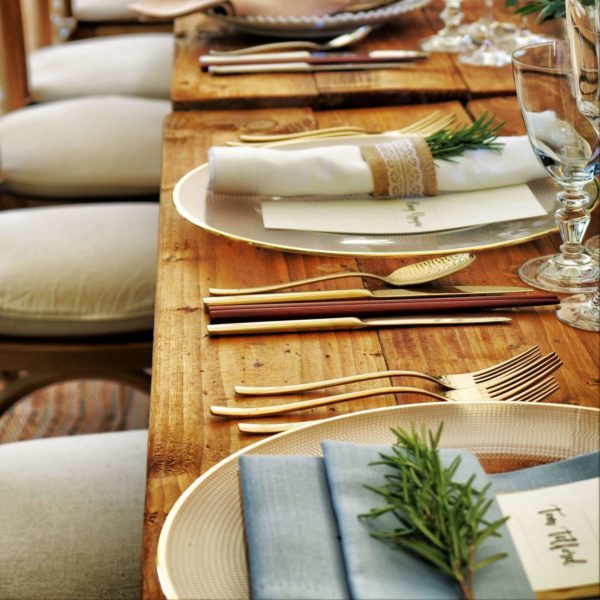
402, 216
555, 530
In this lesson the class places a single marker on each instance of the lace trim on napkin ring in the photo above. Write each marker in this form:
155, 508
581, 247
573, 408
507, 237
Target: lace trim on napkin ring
403, 168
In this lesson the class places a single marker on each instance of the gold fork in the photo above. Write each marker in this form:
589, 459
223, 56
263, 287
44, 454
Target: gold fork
426, 126
518, 388
454, 381
536, 393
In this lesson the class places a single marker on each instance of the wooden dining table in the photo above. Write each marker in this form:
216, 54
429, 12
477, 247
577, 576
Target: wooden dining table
192, 370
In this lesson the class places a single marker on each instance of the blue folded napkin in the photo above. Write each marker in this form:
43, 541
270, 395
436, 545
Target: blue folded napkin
378, 571
293, 541
578, 468
293, 546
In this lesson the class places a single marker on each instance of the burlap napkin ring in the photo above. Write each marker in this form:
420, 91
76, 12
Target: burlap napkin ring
402, 168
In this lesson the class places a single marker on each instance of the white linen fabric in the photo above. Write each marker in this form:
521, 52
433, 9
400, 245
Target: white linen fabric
341, 170
102, 10
102, 146
134, 65
71, 518
78, 269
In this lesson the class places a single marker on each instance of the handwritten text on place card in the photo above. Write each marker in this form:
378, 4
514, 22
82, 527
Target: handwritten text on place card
412, 215
555, 530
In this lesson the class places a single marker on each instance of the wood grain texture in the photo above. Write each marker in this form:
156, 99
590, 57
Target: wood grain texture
13, 58
192, 371
435, 78
196, 34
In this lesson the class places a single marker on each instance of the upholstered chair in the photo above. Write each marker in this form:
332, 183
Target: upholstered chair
71, 518
133, 65
76, 280
101, 144
76, 295
91, 18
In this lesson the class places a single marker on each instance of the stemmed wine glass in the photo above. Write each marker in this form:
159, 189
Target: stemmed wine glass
488, 54
449, 38
583, 33
583, 310
568, 146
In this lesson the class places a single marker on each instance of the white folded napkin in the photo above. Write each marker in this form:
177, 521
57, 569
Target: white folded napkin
343, 169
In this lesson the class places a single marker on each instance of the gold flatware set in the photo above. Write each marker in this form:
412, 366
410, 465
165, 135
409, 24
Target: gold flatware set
525, 377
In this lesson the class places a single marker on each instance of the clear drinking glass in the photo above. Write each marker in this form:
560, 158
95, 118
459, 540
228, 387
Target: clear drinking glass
488, 54
521, 36
567, 144
583, 310
583, 34
449, 38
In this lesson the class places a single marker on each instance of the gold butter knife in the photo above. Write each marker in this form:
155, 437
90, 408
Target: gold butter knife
341, 323
349, 294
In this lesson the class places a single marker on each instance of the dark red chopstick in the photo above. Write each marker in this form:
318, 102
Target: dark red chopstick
373, 307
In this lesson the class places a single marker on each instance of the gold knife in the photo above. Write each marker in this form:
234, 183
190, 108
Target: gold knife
337, 323
424, 292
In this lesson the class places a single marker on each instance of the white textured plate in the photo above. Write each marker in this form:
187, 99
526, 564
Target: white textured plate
240, 218
317, 27
201, 551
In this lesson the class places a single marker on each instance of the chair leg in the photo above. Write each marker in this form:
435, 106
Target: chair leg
18, 387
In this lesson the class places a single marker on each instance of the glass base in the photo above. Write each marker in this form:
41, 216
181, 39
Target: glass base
547, 273
478, 30
521, 38
487, 55
446, 43
592, 247
579, 311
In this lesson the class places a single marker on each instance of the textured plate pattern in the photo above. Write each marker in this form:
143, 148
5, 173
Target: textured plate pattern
240, 218
201, 551
318, 27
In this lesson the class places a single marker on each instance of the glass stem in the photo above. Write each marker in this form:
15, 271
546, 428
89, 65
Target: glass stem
451, 17
488, 19
572, 218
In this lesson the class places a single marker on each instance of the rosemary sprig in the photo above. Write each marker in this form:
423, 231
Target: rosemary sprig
451, 142
546, 9
439, 519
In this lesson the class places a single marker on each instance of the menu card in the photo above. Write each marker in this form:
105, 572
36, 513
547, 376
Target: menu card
403, 216
556, 533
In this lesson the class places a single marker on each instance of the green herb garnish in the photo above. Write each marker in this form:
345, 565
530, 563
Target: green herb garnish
439, 519
547, 9
451, 142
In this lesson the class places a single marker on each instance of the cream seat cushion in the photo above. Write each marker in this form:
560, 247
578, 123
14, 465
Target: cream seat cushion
101, 146
102, 10
134, 65
71, 518
78, 269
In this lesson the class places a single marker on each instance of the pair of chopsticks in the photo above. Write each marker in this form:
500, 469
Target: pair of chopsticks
373, 307
273, 317
304, 61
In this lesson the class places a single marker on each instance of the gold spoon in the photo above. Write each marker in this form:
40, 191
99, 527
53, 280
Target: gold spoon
421, 272
341, 41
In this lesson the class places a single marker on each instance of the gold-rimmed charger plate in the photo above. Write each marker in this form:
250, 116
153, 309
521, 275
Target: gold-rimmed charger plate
201, 550
240, 218
324, 26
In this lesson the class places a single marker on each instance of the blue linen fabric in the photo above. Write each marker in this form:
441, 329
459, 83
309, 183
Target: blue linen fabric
578, 468
292, 539
378, 571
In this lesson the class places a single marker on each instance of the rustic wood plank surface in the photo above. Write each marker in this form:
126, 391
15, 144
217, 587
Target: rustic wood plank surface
440, 77
430, 79
192, 371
